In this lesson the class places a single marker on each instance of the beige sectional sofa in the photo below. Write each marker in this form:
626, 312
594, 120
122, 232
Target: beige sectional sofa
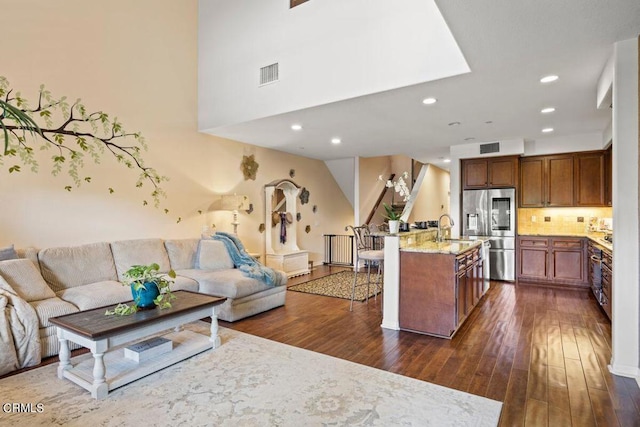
57, 281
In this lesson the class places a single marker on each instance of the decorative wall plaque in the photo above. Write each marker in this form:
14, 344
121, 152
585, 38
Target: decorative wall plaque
249, 167
304, 196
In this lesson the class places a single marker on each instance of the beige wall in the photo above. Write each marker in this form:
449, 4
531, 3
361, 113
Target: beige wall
137, 60
433, 197
370, 187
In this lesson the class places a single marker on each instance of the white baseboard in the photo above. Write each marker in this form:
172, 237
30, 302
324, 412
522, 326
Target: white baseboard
390, 325
625, 371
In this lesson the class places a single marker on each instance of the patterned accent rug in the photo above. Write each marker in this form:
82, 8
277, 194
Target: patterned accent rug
248, 381
339, 285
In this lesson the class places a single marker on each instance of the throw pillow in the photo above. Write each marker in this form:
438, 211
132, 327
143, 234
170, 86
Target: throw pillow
8, 253
213, 255
25, 279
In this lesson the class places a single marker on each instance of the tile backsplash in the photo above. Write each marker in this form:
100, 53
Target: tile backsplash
571, 221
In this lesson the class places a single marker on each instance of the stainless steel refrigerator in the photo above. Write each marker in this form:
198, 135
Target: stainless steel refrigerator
492, 214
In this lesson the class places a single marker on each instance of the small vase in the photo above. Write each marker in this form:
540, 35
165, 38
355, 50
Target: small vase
394, 226
143, 298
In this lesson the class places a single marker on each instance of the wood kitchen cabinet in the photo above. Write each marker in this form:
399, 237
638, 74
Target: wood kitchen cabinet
438, 291
533, 258
553, 260
489, 172
571, 179
607, 281
590, 182
547, 181
608, 177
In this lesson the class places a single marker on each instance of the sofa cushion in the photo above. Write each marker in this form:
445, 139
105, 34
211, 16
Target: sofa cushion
72, 266
230, 283
182, 283
52, 307
25, 279
182, 253
97, 294
213, 255
8, 253
127, 253
30, 253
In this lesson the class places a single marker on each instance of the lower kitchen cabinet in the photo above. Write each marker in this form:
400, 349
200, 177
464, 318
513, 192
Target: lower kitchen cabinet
553, 260
607, 281
438, 291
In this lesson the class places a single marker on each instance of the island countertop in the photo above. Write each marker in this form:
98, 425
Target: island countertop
453, 247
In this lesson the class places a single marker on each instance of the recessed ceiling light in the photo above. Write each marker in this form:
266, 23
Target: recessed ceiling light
447, 160
549, 79
454, 123
429, 101
469, 139
547, 110
336, 140
296, 127
547, 130
489, 122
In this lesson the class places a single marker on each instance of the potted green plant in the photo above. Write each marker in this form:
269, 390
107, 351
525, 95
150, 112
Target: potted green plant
149, 289
393, 217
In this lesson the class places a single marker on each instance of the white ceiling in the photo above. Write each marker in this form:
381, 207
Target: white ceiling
509, 46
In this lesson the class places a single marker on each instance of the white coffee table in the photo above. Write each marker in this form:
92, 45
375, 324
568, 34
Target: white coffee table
100, 333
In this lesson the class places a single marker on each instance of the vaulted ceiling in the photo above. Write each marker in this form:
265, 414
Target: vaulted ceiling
508, 46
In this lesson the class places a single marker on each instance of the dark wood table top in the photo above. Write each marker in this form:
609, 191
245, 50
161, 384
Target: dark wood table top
95, 324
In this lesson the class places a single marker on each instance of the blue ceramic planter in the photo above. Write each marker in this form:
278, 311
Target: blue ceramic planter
143, 298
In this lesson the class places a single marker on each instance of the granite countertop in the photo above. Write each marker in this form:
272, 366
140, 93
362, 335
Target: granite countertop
453, 247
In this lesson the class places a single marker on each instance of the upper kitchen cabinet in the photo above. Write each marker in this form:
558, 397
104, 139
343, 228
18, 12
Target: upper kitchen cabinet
547, 181
490, 172
571, 179
590, 179
608, 175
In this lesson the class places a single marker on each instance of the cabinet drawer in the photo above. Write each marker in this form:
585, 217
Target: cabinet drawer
569, 243
540, 243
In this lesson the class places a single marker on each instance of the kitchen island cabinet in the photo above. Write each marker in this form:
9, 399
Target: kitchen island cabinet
438, 291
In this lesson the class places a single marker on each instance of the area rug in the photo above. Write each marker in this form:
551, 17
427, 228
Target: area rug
248, 381
339, 285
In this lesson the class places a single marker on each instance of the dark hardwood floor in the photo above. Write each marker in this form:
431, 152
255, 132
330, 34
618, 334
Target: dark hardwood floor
542, 351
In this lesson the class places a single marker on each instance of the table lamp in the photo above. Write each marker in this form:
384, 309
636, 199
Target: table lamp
234, 202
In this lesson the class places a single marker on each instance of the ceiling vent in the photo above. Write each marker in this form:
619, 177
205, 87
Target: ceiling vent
269, 74
493, 147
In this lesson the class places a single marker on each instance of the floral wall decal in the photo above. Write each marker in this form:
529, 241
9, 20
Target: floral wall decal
74, 136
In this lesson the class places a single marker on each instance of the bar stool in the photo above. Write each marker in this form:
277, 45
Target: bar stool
366, 253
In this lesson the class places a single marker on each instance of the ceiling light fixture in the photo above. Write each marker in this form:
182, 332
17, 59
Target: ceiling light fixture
336, 140
549, 79
454, 124
447, 160
471, 138
547, 110
429, 101
296, 127
547, 130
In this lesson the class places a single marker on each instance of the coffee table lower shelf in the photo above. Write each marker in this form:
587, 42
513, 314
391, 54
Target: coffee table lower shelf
122, 370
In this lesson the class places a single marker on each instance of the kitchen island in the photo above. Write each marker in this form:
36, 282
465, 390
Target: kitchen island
431, 287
